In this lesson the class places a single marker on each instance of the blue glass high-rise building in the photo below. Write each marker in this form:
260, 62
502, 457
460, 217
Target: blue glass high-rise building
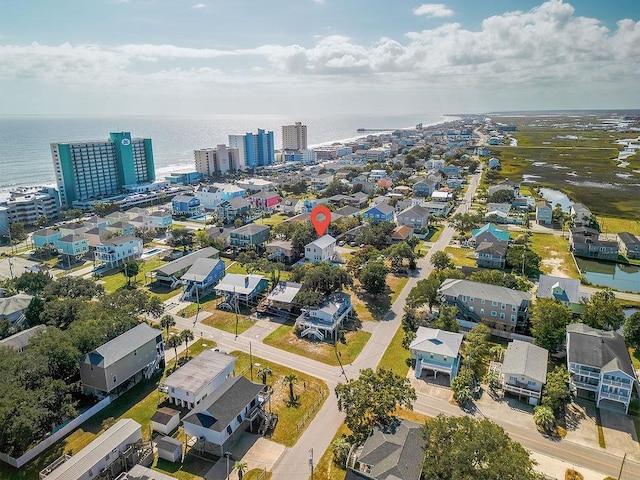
255, 149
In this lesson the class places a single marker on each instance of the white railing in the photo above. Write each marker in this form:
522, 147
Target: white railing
585, 373
615, 383
615, 396
585, 385
520, 390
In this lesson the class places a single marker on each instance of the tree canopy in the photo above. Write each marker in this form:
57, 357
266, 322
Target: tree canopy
465, 448
632, 330
603, 311
549, 320
372, 398
424, 293
441, 260
373, 277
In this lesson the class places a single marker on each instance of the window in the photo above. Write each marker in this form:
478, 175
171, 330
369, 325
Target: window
482, 311
513, 308
494, 303
239, 419
494, 313
501, 316
513, 318
445, 359
471, 299
115, 379
464, 298
503, 306
471, 309
229, 431
530, 383
135, 352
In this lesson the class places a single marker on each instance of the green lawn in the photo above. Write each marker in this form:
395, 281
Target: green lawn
226, 321
461, 257
396, 356
555, 254
273, 220
617, 225
326, 469
116, 279
635, 358
373, 308
284, 338
307, 389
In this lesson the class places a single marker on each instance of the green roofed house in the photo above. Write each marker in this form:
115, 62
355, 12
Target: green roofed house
489, 233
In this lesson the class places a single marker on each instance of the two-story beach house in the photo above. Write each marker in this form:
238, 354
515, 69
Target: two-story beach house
600, 366
587, 242
324, 321
322, 249
116, 250
437, 351
524, 370
251, 234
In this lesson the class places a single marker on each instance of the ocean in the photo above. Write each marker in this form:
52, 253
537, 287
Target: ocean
25, 155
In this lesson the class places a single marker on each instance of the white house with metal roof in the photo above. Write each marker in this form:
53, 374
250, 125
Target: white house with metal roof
173, 271
244, 287
436, 350
600, 366
198, 378
123, 361
116, 448
322, 249
325, 320
524, 370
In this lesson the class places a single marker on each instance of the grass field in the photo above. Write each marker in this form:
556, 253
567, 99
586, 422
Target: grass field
554, 251
273, 220
116, 279
373, 308
396, 356
461, 257
284, 338
617, 225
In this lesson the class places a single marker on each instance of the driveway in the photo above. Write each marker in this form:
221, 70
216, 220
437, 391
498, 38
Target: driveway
619, 433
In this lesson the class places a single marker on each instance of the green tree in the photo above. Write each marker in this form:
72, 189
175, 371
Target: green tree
182, 237
441, 260
372, 398
374, 277
375, 234
17, 232
360, 257
447, 319
130, 269
146, 234
73, 287
186, 336
556, 391
174, 342
41, 222
32, 283
476, 349
502, 196
631, 330
263, 372
340, 450
241, 467
603, 311
166, 322
459, 448
544, 418
105, 208
517, 254
291, 379
399, 253
238, 222
33, 311
493, 380
549, 321
465, 222
424, 293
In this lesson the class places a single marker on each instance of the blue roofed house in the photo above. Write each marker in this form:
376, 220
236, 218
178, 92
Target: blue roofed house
489, 233
201, 277
186, 205
382, 212
436, 350
46, 236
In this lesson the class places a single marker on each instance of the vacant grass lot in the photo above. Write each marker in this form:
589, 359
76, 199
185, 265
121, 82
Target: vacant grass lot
396, 356
116, 279
307, 389
273, 220
554, 251
285, 338
374, 308
461, 257
617, 225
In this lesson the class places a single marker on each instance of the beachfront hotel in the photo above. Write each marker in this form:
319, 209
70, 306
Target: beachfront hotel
218, 160
294, 137
254, 149
88, 170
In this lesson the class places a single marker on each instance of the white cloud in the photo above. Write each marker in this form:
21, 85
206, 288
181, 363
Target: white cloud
439, 10
199, 5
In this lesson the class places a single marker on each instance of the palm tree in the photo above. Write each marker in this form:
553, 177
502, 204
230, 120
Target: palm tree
174, 342
166, 322
497, 352
241, 467
291, 379
264, 372
544, 418
186, 336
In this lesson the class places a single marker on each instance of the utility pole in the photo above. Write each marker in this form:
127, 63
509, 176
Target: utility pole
251, 361
235, 301
311, 462
197, 303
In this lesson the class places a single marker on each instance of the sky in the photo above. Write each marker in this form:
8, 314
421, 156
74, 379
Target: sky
204, 57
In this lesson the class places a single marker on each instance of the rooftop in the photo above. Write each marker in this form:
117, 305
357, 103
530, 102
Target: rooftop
524, 358
201, 269
456, 287
433, 340
112, 351
199, 371
597, 348
186, 261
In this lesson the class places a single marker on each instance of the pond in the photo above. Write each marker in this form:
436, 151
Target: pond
625, 278
556, 196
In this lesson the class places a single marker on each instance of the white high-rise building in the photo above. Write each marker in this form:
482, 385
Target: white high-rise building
294, 137
220, 160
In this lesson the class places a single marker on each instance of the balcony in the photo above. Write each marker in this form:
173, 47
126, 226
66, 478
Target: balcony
584, 385
615, 383
520, 391
584, 372
615, 397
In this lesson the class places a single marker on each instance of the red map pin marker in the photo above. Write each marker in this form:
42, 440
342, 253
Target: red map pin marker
320, 218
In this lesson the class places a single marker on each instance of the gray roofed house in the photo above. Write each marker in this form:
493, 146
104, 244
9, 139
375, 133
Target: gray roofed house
348, 211
20, 341
172, 271
232, 408
393, 452
629, 245
282, 295
524, 369
198, 378
246, 287
564, 290
250, 234
12, 308
600, 366
123, 361
436, 350
491, 254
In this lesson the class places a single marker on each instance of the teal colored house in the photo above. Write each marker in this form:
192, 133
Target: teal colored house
437, 351
186, 205
73, 245
489, 230
382, 212
46, 236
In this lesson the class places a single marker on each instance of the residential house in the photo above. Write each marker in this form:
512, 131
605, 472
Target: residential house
186, 205
201, 277
218, 422
587, 242
580, 213
281, 250
491, 254
436, 350
438, 209
424, 188
382, 212
121, 228
96, 221
512, 187
171, 272
365, 185
358, 200
322, 249
402, 190
245, 287
498, 207
401, 233
287, 205
348, 211
117, 250
501, 308
73, 245
489, 233
391, 452
250, 234
12, 308
563, 290
159, 220
256, 184
235, 207
493, 163
544, 212
325, 321
600, 367
320, 182
45, 236
198, 378
73, 228
264, 200
123, 361
443, 196
20, 341
524, 370
104, 457
629, 245
416, 217
281, 299
307, 204
165, 420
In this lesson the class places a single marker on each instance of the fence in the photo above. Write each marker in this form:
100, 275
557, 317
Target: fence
305, 418
54, 437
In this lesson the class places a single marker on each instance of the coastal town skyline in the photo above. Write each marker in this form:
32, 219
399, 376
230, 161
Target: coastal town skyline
193, 58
